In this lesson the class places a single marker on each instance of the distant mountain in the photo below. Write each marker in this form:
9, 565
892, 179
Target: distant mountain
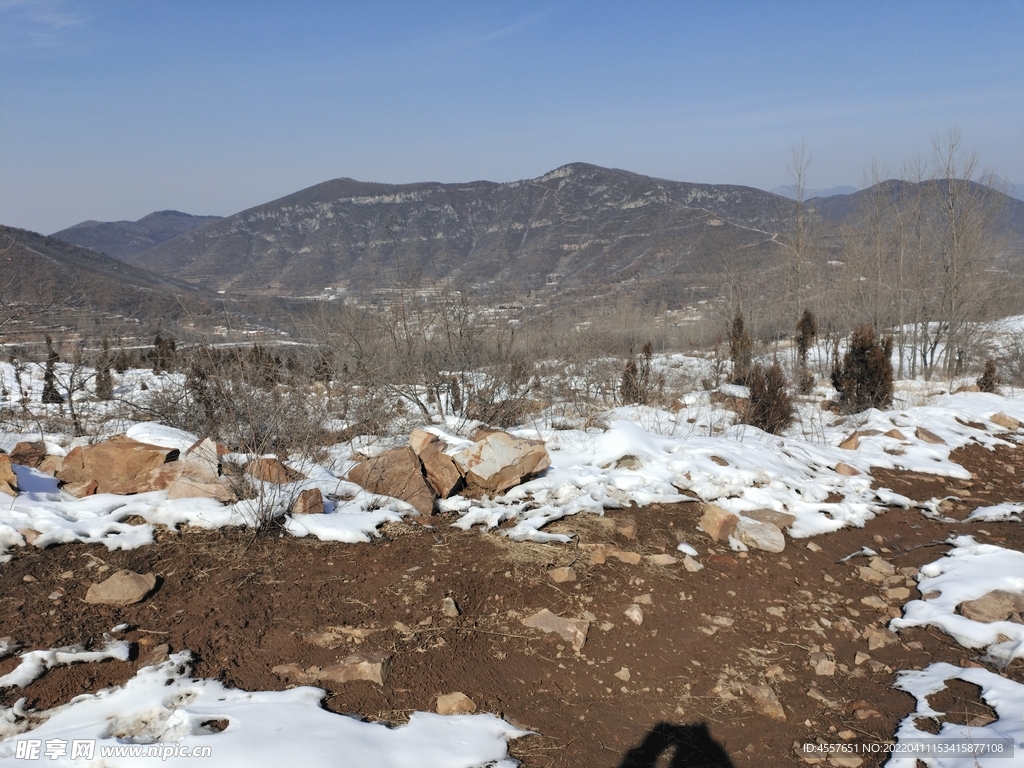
43, 271
789, 190
123, 239
578, 227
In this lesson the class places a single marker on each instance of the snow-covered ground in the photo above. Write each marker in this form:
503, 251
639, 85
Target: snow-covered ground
644, 455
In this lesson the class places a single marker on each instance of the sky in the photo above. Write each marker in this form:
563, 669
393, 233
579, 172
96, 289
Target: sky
110, 110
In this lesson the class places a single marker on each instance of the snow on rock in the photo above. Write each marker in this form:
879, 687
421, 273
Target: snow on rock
1005, 696
161, 704
968, 572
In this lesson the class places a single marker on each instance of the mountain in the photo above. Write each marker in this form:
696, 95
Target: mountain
123, 239
65, 284
578, 227
789, 190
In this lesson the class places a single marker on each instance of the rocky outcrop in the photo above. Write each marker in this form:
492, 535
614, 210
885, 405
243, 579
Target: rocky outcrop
120, 465
396, 473
501, 461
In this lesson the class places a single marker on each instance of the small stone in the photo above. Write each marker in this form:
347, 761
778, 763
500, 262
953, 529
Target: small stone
845, 761
1004, 421
646, 599
562, 575
623, 674
663, 560
635, 614
626, 529
449, 608
882, 566
629, 462
692, 565
632, 558
28, 578
825, 668
927, 436
844, 469
871, 601
716, 522
122, 588
68, 575
895, 434
758, 535
877, 638
766, 702
851, 443
309, 502
870, 575
897, 593
571, 630
813, 547
598, 553
860, 658
456, 703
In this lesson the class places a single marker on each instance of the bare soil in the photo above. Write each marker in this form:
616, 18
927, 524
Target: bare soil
673, 685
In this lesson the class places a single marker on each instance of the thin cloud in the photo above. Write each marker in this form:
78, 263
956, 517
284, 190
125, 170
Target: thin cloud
512, 29
28, 24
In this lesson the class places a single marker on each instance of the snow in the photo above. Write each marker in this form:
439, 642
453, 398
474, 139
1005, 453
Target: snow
967, 572
162, 705
34, 664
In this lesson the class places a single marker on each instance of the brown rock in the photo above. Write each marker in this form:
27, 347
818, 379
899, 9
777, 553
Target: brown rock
571, 630
633, 558
895, 434
396, 473
846, 470
309, 502
456, 703
967, 388
8, 480
501, 461
927, 436
766, 702
716, 522
206, 454
870, 575
626, 528
851, 443
374, 667
123, 588
272, 471
28, 454
629, 461
778, 519
998, 605
598, 553
1004, 421
51, 465
661, 559
562, 575
420, 439
763, 536
442, 474
884, 567
80, 490
192, 480
118, 466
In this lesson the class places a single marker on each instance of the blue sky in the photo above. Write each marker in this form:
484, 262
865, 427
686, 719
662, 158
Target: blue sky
111, 110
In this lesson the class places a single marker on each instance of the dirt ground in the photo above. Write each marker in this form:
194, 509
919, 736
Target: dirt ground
670, 691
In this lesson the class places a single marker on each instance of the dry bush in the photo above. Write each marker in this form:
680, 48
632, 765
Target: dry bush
865, 378
770, 407
989, 379
741, 350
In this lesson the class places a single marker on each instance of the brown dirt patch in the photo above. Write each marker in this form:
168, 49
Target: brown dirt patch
242, 604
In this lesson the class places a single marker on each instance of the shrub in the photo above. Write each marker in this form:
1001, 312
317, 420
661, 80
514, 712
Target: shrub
741, 350
104, 381
770, 407
806, 331
864, 380
635, 387
989, 379
50, 392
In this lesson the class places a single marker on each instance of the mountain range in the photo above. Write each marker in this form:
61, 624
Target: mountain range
123, 239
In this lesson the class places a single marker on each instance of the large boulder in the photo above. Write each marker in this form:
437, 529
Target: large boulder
396, 473
998, 605
120, 465
29, 454
716, 522
272, 471
500, 461
442, 474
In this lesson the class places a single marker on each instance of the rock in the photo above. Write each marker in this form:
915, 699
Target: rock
623, 674
309, 502
860, 658
562, 575
877, 638
123, 588
30, 535
967, 388
374, 667
442, 474
882, 566
763, 536
844, 469
28, 454
396, 473
120, 465
419, 439
51, 465
571, 630
661, 560
927, 436
897, 593
501, 461
766, 702
626, 528
158, 655
1004, 421
998, 605
449, 608
456, 703
716, 522
272, 471
635, 614
778, 519
205, 454
871, 601
598, 553
825, 667
851, 443
629, 461
895, 434
870, 575
8, 480
82, 489
692, 565
192, 480
632, 558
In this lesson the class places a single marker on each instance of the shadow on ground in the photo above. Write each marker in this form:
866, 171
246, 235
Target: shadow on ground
685, 746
